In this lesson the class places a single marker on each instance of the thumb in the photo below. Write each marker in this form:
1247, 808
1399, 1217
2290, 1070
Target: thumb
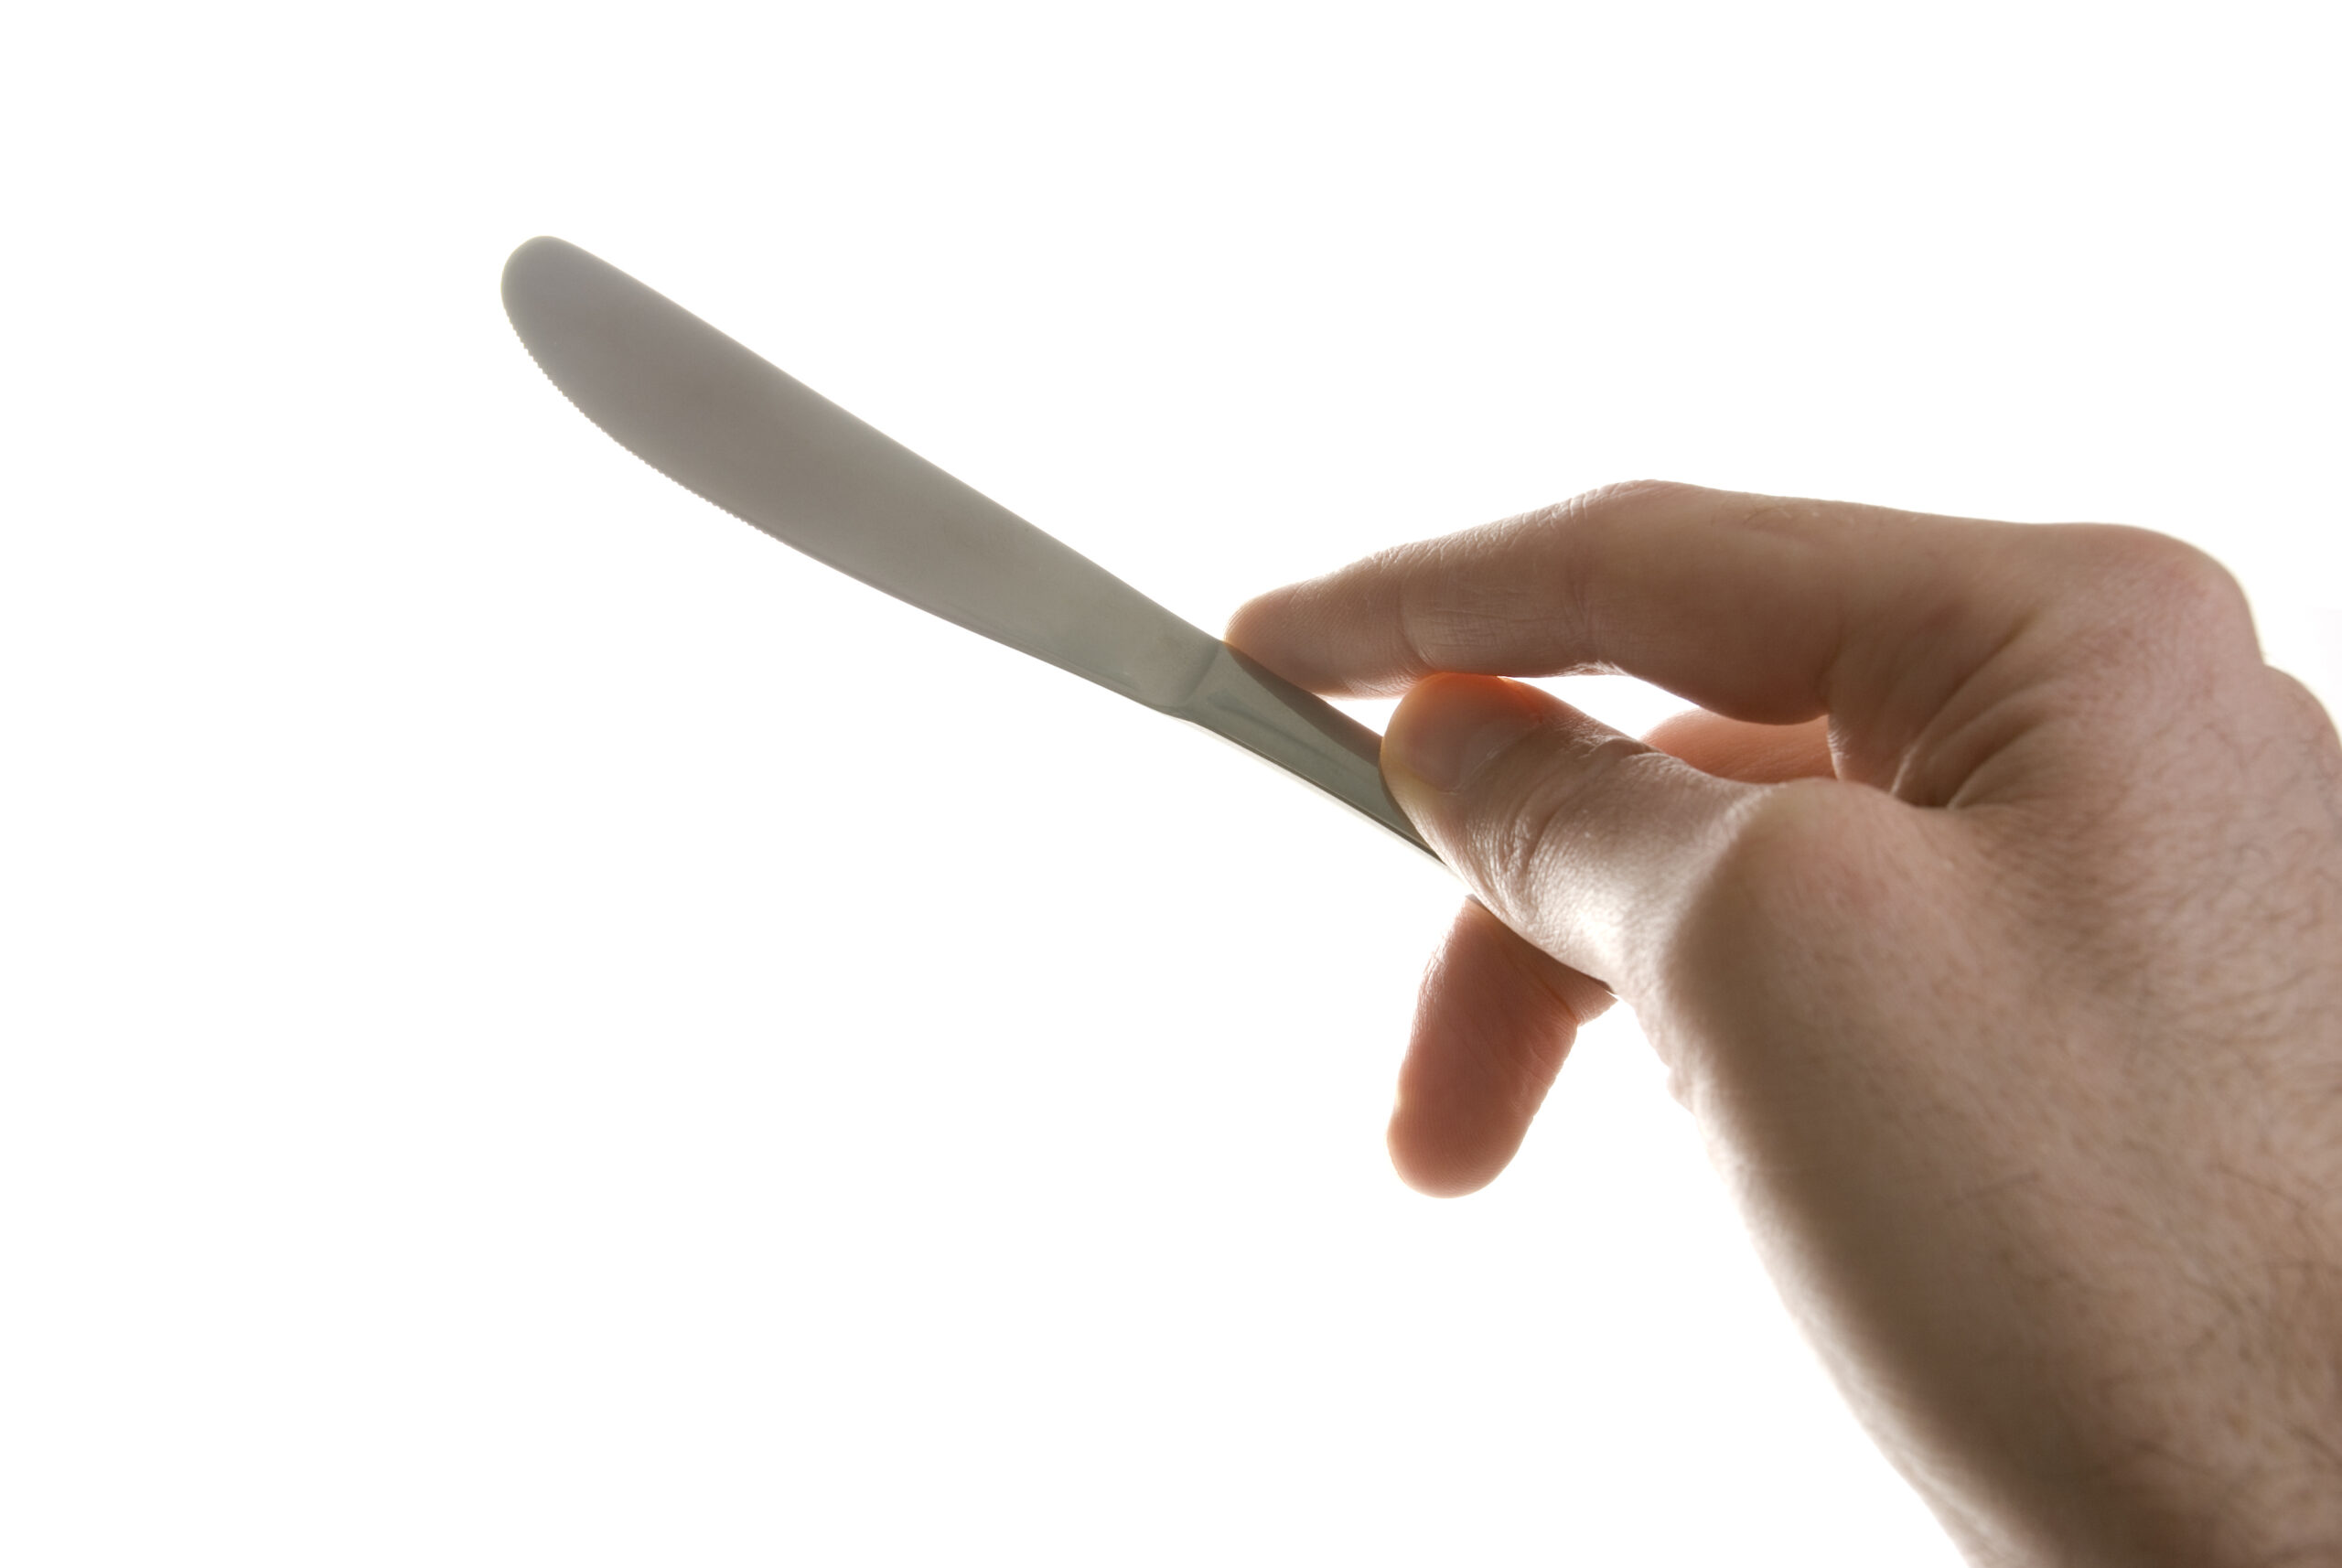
1583, 840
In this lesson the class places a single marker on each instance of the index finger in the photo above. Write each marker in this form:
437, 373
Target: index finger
1757, 608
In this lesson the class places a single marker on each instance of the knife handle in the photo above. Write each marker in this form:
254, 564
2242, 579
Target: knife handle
1268, 715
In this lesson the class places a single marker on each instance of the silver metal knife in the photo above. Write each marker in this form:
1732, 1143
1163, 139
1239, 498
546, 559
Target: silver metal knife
725, 424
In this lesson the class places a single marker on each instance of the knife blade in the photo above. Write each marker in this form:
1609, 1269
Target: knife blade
738, 431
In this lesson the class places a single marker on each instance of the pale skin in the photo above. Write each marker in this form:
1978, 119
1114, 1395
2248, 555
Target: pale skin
1988, 917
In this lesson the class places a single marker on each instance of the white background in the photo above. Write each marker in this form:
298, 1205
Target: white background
539, 1027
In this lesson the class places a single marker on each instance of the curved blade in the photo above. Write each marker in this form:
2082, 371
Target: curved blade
723, 423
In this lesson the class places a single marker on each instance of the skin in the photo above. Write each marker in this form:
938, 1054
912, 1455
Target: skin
1988, 917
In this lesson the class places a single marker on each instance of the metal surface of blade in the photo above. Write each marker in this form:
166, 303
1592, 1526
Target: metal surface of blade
724, 424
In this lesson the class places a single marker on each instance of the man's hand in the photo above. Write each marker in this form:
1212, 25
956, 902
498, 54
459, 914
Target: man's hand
1989, 920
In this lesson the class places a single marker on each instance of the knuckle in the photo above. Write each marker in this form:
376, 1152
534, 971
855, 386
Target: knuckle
2168, 578
1450, 611
2136, 622
1410, 570
1591, 515
1603, 499
1790, 852
1779, 836
2307, 707
1439, 627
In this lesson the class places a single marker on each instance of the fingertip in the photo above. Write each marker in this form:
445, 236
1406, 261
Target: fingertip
1258, 619
1448, 727
1294, 631
1438, 1172
1493, 1022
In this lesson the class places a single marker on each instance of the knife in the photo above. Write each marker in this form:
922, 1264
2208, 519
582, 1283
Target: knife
725, 424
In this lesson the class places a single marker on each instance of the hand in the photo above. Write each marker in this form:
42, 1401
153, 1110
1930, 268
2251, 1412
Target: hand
1988, 920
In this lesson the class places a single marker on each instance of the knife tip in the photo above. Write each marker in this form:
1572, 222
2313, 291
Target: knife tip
532, 259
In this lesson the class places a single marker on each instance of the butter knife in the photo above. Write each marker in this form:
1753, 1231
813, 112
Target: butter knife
725, 424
